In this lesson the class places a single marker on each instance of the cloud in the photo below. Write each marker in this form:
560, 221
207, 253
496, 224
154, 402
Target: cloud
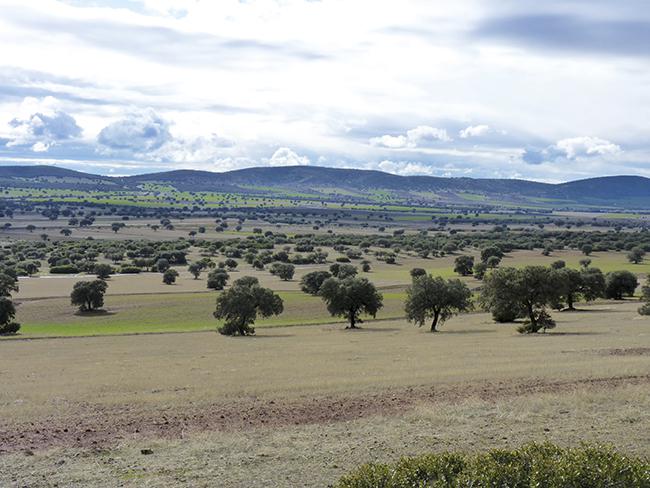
40, 147
284, 156
58, 126
405, 168
511, 65
139, 132
586, 146
533, 155
424, 133
193, 150
571, 148
571, 32
393, 142
420, 135
42, 125
474, 131
159, 43
146, 135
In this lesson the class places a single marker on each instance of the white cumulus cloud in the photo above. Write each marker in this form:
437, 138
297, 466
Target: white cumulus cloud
40, 124
413, 138
284, 156
571, 148
404, 168
474, 131
140, 131
586, 146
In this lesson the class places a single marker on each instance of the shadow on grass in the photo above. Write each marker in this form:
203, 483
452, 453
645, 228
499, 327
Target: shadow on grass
590, 310
476, 331
371, 329
94, 313
553, 334
255, 336
269, 336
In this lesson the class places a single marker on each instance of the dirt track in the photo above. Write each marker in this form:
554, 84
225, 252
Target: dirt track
99, 427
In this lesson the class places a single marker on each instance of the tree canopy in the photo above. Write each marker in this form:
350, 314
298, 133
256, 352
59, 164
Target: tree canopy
436, 299
350, 298
7, 314
529, 290
464, 265
169, 276
284, 271
240, 305
88, 295
8, 285
619, 284
217, 279
311, 282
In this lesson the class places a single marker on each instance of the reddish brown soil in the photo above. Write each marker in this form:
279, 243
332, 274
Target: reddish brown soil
92, 426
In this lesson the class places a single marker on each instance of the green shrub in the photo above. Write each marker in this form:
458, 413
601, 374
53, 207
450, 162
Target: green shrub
533, 465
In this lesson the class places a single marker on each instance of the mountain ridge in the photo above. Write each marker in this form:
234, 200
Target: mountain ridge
317, 178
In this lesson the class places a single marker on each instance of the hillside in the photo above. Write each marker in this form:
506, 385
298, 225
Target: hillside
317, 182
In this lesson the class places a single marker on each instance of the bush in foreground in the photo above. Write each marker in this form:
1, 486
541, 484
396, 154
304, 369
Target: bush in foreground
533, 465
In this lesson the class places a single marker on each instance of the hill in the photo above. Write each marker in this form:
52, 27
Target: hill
320, 182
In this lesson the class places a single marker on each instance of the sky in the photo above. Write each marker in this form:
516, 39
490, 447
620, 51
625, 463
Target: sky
543, 90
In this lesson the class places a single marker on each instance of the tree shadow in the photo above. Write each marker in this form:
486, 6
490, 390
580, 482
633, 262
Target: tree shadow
254, 336
477, 331
270, 336
589, 310
372, 329
553, 334
94, 313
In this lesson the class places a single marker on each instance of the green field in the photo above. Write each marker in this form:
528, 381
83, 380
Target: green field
186, 312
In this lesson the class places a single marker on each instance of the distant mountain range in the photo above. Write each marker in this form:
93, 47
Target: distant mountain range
630, 191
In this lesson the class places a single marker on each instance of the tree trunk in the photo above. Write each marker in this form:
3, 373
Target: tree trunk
436, 314
569, 301
531, 317
352, 319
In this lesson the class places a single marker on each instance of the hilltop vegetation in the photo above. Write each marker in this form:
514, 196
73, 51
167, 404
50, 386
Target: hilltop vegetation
332, 184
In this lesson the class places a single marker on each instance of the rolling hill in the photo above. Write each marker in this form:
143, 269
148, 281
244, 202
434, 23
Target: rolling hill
616, 191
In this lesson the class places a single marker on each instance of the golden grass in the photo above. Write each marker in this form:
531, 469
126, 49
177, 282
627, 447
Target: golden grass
317, 455
40, 375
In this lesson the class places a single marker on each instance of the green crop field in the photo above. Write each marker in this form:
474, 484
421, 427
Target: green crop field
187, 312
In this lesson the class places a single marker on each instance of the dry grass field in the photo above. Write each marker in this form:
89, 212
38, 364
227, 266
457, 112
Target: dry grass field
298, 406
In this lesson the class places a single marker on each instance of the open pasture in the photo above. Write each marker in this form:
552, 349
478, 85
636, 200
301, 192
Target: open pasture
317, 397
304, 400
142, 303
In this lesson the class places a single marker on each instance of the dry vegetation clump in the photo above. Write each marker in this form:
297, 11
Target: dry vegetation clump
532, 465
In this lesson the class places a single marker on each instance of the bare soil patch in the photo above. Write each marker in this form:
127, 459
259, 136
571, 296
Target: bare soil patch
93, 426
